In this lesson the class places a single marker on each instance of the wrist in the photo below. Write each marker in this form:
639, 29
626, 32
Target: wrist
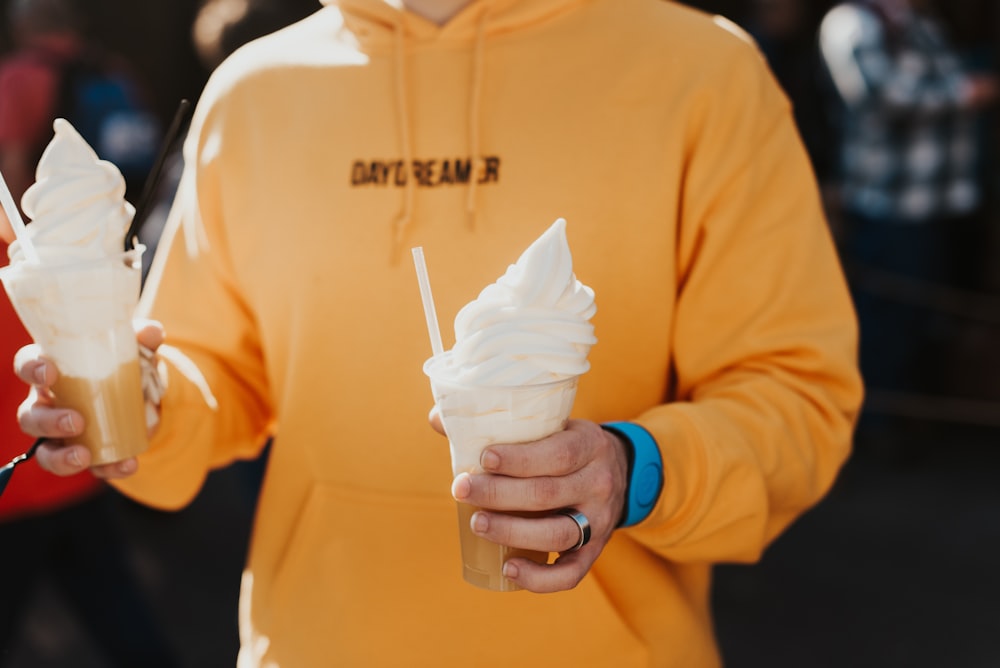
645, 471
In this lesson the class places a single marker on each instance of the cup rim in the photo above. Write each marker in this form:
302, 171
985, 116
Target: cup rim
129, 257
435, 359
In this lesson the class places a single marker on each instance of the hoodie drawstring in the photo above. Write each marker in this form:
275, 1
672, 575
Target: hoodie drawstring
475, 96
402, 222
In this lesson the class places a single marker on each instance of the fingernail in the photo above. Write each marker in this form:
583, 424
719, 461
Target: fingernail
40, 374
461, 487
480, 523
66, 424
73, 457
489, 460
509, 570
127, 467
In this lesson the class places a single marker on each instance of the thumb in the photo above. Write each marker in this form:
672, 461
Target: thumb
434, 418
149, 333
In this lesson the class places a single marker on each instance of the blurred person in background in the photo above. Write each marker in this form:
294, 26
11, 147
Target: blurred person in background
56, 71
908, 178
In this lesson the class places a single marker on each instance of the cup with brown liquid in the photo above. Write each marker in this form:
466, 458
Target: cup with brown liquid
80, 315
475, 417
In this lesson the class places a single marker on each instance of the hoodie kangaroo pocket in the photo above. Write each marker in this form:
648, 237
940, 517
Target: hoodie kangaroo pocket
375, 579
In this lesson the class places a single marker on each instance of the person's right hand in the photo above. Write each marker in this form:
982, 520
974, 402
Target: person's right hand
39, 417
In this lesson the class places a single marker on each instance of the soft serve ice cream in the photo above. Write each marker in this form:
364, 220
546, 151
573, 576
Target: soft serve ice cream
77, 299
77, 204
78, 214
511, 376
531, 326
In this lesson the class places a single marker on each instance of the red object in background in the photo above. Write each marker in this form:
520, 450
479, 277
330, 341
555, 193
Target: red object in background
31, 490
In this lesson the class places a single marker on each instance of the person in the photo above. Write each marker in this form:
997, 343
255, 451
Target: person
55, 70
281, 305
909, 181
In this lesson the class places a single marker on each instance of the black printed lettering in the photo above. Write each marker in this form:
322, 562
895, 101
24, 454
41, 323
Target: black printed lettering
491, 170
446, 175
359, 173
425, 173
462, 170
377, 173
422, 171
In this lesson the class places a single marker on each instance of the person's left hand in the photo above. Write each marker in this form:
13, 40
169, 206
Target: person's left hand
583, 467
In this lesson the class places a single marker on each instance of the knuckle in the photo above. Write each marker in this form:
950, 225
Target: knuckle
26, 417
44, 459
602, 484
571, 576
544, 491
553, 578
24, 356
502, 530
571, 536
492, 492
564, 457
49, 459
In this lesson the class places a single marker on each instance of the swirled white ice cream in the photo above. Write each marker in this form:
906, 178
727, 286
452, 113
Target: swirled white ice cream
531, 326
77, 300
77, 204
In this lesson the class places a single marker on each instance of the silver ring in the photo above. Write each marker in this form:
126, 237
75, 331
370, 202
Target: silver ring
582, 523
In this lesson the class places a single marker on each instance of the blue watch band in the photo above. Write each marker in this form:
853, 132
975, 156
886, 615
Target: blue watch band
645, 471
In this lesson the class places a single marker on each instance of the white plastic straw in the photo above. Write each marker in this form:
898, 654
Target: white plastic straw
425, 294
16, 221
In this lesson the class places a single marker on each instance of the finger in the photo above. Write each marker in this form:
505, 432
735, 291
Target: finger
62, 460
531, 494
66, 460
560, 454
565, 574
32, 368
434, 418
116, 470
149, 333
37, 418
547, 533
524, 494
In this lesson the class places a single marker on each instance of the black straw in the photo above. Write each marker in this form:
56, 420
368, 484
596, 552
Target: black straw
153, 180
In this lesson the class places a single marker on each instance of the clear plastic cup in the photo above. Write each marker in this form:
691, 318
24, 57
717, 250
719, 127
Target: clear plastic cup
80, 315
475, 417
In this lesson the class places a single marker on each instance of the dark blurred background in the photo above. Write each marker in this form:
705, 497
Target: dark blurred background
896, 567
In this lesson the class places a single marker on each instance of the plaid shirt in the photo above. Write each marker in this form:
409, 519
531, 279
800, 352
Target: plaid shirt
908, 146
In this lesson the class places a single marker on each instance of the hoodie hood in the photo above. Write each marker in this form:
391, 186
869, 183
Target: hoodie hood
385, 25
375, 22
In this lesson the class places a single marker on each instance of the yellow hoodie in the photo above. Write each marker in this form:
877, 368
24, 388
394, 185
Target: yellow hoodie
319, 155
